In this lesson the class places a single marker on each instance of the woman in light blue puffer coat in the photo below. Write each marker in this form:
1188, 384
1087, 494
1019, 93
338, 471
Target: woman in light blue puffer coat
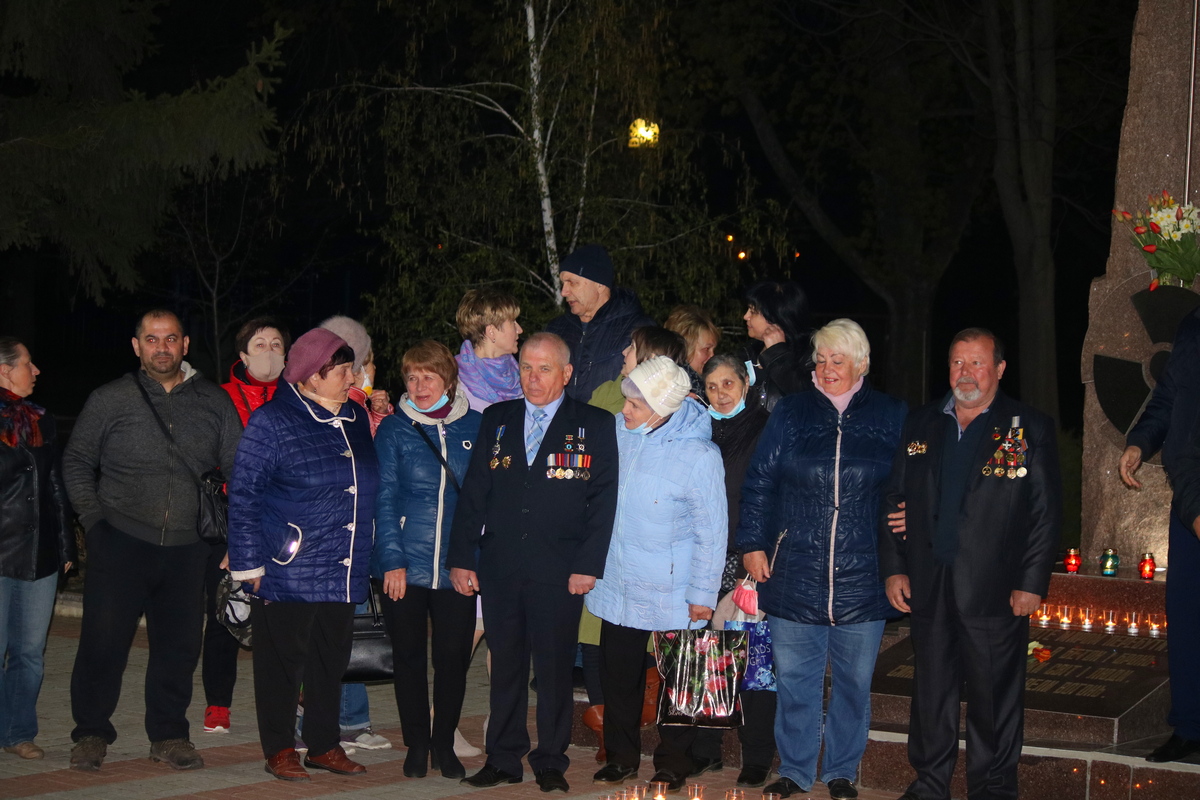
665, 558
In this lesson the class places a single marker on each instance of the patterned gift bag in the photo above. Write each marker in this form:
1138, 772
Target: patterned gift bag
702, 672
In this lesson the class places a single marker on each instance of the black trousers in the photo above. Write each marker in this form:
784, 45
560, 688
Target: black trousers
299, 644
407, 620
127, 577
527, 619
623, 680
989, 654
757, 734
219, 664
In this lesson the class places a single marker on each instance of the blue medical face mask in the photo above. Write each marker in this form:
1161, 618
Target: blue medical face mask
441, 402
750, 373
739, 408
644, 429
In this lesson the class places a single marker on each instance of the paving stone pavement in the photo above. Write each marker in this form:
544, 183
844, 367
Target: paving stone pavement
234, 763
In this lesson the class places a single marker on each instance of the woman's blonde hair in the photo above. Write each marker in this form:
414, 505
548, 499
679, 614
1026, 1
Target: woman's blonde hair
482, 307
847, 337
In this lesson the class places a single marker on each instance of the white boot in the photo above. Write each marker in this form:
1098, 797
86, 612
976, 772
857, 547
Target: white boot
463, 748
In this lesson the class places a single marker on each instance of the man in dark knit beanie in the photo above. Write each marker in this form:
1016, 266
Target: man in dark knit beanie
600, 321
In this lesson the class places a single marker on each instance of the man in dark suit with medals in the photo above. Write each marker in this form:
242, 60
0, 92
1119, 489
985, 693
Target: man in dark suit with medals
531, 535
977, 479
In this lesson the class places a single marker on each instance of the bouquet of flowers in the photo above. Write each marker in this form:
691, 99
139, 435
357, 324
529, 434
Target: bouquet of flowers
1166, 234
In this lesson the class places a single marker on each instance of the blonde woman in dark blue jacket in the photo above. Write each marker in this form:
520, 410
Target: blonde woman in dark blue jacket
810, 502
424, 450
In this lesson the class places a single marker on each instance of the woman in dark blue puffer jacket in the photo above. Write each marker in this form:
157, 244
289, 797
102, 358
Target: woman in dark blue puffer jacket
808, 531
301, 524
417, 498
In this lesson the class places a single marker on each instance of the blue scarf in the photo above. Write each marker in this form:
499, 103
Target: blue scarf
490, 379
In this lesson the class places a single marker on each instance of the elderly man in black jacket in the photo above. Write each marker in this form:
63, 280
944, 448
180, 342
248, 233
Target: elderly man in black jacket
1171, 422
977, 477
599, 324
531, 535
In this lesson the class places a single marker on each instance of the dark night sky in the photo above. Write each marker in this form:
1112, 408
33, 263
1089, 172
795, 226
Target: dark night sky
79, 346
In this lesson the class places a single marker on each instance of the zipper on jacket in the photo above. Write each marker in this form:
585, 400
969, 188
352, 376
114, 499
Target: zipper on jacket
775, 555
837, 500
437, 531
162, 536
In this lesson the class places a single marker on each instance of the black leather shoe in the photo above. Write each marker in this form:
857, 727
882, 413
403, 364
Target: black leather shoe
842, 789
490, 776
1174, 749
752, 776
673, 783
614, 773
784, 787
703, 765
551, 780
446, 761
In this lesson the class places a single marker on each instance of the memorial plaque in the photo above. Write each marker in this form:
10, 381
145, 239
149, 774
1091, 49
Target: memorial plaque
1092, 689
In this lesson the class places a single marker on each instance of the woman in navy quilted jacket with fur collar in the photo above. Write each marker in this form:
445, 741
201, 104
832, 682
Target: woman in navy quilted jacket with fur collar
301, 528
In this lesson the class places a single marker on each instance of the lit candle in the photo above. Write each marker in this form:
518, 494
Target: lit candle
1073, 560
1146, 566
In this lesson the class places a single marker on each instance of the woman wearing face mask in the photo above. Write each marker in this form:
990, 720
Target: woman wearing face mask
423, 455
645, 342
363, 392
807, 529
736, 429
262, 346
664, 560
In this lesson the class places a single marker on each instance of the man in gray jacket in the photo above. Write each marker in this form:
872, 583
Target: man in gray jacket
137, 500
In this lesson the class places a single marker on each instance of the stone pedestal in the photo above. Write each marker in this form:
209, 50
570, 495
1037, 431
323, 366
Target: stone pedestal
1130, 328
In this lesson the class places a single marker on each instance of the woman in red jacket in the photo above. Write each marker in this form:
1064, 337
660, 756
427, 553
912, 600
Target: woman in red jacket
262, 345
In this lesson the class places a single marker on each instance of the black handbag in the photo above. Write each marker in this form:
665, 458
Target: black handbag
212, 514
370, 647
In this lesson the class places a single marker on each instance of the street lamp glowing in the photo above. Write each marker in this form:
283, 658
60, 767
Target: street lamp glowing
742, 255
643, 134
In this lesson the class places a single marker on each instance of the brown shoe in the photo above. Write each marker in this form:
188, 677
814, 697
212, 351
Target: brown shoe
26, 750
286, 766
88, 753
179, 753
335, 761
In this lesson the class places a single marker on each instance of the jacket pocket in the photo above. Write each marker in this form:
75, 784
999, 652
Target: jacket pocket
291, 546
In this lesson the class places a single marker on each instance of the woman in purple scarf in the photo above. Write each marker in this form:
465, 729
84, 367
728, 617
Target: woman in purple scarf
487, 371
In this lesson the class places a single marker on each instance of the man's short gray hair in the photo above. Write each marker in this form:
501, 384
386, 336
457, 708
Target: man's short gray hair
847, 337
551, 340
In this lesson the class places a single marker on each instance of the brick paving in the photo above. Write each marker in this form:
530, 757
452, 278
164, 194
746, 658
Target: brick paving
234, 763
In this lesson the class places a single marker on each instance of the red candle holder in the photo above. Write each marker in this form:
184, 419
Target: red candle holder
1073, 560
1146, 566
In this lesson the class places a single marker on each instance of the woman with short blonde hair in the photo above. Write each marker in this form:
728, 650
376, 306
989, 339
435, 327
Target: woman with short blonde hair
487, 371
